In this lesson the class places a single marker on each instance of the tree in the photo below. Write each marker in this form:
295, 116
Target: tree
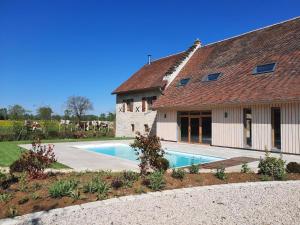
16, 112
102, 117
79, 105
111, 116
3, 114
44, 113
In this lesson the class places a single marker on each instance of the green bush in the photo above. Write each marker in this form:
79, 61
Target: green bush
245, 168
162, 164
5, 197
273, 167
23, 200
220, 173
293, 167
178, 174
194, 169
62, 188
96, 185
156, 180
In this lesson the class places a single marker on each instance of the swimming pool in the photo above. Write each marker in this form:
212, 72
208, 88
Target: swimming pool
124, 151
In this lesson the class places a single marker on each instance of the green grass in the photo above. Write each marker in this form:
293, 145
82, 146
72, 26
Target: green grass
10, 151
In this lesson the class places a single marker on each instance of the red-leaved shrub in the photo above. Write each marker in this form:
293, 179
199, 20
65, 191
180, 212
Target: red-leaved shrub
35, 160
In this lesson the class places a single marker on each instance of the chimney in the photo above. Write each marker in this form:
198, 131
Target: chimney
197, 42
149, 59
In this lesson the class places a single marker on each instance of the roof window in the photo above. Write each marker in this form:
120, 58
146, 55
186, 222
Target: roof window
183, 81
265, 68
212, 77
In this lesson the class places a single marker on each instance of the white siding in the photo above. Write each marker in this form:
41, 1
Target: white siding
167, 126
227, 131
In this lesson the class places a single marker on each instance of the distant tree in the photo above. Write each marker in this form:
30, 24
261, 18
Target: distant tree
79, 106
16, 112
102, 117
57, 117
3, 114
44, 112
111, 116
89, 117
67, 114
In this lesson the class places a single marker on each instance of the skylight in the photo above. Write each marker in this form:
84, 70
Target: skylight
211, 77
265, 68
183, 82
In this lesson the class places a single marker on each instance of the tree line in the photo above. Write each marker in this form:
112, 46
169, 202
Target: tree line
77, 108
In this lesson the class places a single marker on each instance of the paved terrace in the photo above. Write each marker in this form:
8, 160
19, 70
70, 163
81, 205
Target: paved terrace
81, 159
262, 203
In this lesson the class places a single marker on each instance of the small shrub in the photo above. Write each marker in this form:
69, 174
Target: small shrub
273, 167
220, 174
130, 175
62, 188
265, 178
178, 174
194, 169
12, 211
23, 200
245, 168
75, 194
5, 197
149, 152
96, 185
34, 161
293, 167
140, 190
23, 182
156, 180
162, 164
36, 186
117, 182
35, 196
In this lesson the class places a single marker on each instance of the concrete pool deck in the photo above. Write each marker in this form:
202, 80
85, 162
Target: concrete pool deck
80, 159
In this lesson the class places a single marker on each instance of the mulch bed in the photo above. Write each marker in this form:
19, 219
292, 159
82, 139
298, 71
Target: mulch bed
45, 202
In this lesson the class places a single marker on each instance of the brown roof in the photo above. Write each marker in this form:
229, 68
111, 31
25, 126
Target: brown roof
236, 58
149, 76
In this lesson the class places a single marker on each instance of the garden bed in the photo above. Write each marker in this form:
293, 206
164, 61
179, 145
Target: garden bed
24, 196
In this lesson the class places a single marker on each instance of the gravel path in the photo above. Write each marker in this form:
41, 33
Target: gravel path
263, 203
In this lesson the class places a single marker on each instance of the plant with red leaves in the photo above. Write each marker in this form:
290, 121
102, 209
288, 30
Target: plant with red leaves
35, 160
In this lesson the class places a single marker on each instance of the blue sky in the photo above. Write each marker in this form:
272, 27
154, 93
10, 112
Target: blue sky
50, 50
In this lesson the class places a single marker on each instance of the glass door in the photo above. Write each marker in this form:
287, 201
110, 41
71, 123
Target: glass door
184, 129
206, 130
195, 122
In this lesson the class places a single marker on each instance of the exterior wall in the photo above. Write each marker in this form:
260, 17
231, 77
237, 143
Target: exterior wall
167, 128
139, 119
229, 131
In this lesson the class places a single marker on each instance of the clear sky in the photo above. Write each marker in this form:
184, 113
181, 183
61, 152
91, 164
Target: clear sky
50, 50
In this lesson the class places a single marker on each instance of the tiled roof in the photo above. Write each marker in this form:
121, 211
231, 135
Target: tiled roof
236, 58
149, 76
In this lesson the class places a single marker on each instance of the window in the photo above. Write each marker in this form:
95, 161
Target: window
129, 104
123, 106
247, 117
144, 100
266, 68
146, 128
276, 128
150, 101
132, 127
211, 77
183, 82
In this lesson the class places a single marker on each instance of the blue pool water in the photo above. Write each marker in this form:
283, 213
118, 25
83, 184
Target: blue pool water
176, 159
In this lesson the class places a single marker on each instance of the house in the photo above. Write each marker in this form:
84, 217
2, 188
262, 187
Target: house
242, 92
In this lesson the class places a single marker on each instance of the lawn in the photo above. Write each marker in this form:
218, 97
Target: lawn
10, 151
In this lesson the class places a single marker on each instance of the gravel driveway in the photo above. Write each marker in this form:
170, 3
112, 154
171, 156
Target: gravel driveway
263, 203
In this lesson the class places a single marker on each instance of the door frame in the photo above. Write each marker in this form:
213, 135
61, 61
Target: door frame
190, 115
